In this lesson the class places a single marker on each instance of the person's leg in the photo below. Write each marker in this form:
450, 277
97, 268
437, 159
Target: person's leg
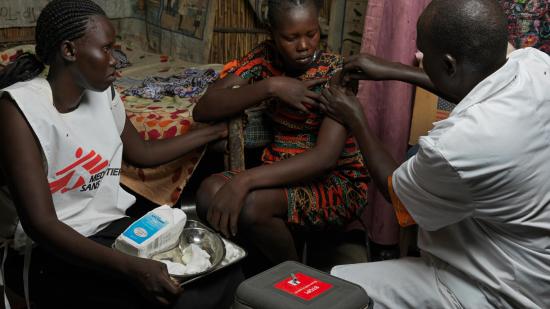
404, 283
262, 220
413, 283
207, 190
256, 262
57, 283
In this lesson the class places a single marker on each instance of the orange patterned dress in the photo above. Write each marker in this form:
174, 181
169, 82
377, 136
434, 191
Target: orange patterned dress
330, 200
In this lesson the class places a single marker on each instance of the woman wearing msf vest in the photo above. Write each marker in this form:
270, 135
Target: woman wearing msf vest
63, 139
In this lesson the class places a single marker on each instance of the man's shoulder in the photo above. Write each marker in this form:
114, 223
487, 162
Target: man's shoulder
466, 135
533, 65
529, 54
487, 134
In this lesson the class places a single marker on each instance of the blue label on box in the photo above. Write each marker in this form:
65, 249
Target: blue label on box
145, 228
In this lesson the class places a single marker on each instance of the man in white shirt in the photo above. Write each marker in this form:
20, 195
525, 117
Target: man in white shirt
479, 186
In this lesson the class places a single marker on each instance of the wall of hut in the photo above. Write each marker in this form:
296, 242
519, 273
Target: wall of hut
16, 36
237, 29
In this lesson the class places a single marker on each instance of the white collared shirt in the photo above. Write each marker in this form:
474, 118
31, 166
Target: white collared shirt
479, 187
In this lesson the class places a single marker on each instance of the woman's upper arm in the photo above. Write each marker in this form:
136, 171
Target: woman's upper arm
331, 139
21, 161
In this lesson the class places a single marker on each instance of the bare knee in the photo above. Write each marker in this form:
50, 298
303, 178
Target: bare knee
252, 213
207, 190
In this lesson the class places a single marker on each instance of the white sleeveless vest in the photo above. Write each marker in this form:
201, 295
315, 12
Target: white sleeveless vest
83, 153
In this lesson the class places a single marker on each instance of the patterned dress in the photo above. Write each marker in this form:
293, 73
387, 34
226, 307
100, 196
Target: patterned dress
330, 200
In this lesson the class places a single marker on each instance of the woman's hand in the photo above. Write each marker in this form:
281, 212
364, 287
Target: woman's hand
223, 214
152, 277
341, 105
296, 93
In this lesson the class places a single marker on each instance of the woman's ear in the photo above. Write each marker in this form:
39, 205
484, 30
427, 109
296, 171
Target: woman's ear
450, 64
68, 50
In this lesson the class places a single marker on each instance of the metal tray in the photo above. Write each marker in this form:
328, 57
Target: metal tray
240, 254
205, 239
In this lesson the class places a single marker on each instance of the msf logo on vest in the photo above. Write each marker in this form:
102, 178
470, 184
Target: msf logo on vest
92, 163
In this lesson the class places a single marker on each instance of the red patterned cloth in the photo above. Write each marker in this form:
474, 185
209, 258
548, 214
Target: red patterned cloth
330, 200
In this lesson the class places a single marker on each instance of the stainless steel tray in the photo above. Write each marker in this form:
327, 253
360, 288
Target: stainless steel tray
240, 254
205, 239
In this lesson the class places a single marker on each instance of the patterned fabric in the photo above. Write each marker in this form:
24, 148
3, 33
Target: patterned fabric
257, 130
121, 58
188, 83
444, 108
528, 23
159, 119
164, 118
332, 199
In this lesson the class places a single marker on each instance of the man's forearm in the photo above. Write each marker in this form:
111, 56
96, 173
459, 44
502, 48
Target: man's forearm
416, 76
413, 75
379, 162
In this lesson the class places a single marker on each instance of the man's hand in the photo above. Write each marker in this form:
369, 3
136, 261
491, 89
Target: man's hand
365, 66
341, 105
336, 81
296, 93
